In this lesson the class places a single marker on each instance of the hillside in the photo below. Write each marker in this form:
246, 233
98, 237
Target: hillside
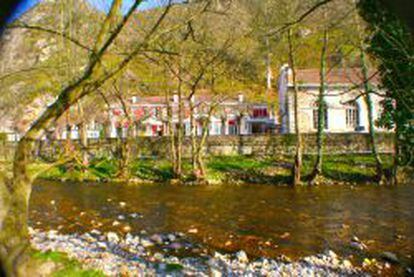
31, 54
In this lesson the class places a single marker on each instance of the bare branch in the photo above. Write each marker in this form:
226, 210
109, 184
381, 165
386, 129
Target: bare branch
300, 19
23, 25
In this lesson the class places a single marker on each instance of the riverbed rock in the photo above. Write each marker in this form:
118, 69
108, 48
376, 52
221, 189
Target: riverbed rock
242, 257
146, 242
121, 217
192, 231
112, 237
95, 232
357, 244
157, 238
117, 256
126, 228
390, 257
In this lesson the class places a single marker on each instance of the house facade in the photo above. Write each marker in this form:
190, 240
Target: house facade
346, 110
148, 116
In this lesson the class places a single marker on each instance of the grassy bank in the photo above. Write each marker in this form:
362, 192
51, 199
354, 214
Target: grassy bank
57, 264
223, 169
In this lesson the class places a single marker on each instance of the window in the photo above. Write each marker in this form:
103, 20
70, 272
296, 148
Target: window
316, 118
232, 127
260, 112
352, 115
215, 128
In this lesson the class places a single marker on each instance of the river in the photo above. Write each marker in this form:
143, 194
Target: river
262, 220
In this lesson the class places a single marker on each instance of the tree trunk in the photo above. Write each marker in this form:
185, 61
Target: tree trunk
179, 147
193, 134
317, 169
367, 97
268, 68
14, 236
67, 141
297, 166
394, 170
171, 134
83, 139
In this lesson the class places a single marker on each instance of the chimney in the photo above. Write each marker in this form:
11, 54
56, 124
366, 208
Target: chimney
241, 98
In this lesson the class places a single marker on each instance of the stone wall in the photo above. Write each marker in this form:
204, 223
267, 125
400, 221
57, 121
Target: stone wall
269, 145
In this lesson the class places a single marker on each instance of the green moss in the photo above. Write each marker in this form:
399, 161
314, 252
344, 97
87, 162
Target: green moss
68, 267
173, 267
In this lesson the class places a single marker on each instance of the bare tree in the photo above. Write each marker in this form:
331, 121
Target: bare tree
14, 237
297, 164
317, 169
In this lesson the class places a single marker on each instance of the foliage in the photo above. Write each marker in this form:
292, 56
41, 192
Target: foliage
393, 45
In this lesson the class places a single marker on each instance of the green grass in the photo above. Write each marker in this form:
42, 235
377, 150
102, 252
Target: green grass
68, 267
152, 170
226, 169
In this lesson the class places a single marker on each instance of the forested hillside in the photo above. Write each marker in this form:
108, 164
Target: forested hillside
50, 43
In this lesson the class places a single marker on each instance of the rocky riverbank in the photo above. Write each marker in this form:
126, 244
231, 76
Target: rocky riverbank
136, 255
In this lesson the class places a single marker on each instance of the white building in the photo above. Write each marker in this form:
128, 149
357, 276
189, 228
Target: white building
232, 116
346, 110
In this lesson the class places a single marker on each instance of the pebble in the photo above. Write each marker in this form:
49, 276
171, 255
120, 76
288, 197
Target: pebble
126, 228
242, 257
192, 231
157, 238
285, 235
112, 237
390, 257
146, 243
135, 215
129, 255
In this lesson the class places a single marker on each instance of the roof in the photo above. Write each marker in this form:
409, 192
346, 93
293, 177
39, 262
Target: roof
346, 76
150, 100
203, 98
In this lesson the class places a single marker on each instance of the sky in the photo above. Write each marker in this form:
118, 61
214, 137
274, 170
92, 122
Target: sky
100, 4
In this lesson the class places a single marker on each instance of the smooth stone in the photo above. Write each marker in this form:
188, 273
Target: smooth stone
390, 257
95, 232
175, 245
158, 256
157, 238
112, 237
242, 257
146, 243
126, 228
192, 231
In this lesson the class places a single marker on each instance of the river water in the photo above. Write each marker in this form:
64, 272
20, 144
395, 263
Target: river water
262, 220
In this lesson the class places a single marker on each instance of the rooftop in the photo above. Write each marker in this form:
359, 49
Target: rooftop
346, 76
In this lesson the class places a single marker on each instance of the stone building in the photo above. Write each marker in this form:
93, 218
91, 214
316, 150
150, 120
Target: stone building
346, 110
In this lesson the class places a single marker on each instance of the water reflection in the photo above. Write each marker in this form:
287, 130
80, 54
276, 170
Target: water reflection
263, 220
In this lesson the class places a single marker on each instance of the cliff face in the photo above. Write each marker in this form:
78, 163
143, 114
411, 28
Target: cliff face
33, 62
